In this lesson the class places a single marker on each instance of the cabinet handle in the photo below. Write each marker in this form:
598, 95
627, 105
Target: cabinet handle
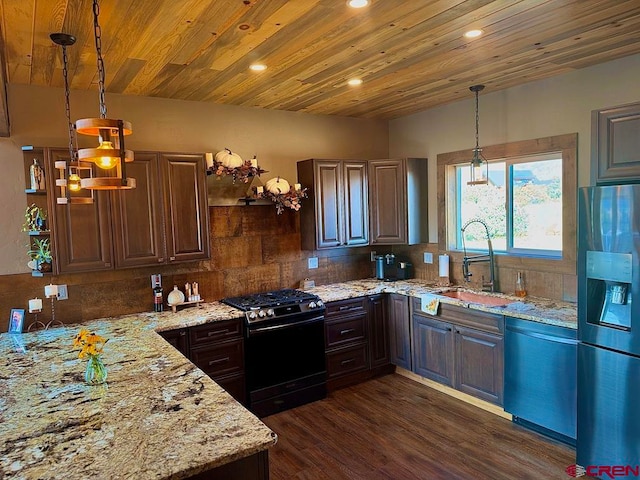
345, 362
348, 330
217, 332
344, 307
220, 360
182, 334
160, 260
171, 259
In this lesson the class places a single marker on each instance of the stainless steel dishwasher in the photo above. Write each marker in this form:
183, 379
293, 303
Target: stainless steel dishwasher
540, 388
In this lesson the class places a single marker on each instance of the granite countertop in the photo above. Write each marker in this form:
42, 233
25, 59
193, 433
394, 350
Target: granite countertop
536, 309
159, 416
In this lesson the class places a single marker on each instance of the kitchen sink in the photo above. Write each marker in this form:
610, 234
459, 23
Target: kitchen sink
482, 299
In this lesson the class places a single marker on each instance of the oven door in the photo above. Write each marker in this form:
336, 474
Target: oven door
285, 363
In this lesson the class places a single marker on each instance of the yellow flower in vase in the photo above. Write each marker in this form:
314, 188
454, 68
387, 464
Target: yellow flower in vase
91, 346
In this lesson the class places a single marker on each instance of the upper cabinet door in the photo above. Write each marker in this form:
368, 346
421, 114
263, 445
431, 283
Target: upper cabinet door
185, 202
329, 211
356, 202
388, 201
82, 231
137, 215
615, 139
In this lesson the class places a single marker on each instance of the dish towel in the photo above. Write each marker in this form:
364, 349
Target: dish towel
429, 303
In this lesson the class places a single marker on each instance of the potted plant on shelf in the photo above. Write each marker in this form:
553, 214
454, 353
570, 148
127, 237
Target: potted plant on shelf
35, 219
40, 254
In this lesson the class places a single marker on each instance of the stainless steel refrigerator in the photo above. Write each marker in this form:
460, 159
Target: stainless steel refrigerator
608, 430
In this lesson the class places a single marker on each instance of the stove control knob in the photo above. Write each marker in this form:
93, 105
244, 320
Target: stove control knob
312, 305
270, 312
319, 303
262, 314
252, 315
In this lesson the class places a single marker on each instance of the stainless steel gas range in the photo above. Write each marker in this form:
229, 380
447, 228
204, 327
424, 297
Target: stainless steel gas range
284, 349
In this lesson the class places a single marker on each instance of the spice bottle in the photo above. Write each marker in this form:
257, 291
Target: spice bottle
520, 290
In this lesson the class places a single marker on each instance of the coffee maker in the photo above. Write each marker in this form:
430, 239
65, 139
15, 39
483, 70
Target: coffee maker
386, 268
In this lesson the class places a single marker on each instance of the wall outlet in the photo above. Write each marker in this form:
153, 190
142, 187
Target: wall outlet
63, 293
428, 257
313, 262
373, 256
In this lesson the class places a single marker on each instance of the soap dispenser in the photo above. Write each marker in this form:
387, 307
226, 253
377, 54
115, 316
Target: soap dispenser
520, 290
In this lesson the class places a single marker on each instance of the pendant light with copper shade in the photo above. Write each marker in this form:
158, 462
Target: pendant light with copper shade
71, 171
111, 152
478, 176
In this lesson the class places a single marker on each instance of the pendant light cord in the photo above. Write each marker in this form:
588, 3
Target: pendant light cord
98, 37
477, 123
67, 104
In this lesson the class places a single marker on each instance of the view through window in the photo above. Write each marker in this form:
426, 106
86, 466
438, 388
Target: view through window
521, 205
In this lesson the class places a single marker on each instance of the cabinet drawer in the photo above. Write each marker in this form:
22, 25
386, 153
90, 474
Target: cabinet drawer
347, 360
347, 330
214, 332
219, 359
345, 307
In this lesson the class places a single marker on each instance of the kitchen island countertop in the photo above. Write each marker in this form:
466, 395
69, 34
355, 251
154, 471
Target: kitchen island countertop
159, 416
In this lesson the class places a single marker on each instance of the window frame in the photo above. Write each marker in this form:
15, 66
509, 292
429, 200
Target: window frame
447, 193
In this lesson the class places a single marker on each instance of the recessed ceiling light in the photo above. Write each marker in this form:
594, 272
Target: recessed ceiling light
358, 3
258, 67
354, 82
473, 33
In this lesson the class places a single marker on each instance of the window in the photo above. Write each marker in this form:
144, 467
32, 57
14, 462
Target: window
521, 205
533, 180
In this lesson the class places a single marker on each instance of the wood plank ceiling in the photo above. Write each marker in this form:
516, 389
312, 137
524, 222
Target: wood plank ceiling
411, 55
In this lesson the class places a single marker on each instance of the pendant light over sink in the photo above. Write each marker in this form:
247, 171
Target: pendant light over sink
479, 165
111, 152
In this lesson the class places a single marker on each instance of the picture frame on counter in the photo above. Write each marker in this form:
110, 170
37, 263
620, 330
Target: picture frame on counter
16, 320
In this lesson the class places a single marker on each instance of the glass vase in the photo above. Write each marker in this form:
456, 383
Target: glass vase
96, 372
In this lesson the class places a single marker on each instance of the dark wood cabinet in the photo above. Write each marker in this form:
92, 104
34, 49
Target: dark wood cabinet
433, 348
615, 145
399, 330
336, 214
217, 348
138, 215
163, 220
479, 363
398, 201
83, 240
378, 331
178, 339
185, 202
356, 340
461, 348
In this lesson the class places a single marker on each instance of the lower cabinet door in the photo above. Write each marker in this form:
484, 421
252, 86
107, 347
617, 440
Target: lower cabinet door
235, 386
479, 364
433, 349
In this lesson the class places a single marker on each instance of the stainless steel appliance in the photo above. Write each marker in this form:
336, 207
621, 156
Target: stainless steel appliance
609, 327
540, 386
284, 349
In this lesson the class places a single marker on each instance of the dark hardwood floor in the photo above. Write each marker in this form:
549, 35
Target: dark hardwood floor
395, 428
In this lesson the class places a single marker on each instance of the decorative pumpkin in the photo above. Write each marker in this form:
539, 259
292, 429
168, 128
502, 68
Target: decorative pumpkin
229, 159
277, 186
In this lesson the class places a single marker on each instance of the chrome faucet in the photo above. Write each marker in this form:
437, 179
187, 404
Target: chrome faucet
489, 286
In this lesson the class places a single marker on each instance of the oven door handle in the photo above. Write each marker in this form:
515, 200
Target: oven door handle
271, 328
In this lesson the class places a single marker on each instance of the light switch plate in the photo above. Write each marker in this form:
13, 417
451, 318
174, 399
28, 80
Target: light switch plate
313, 262
63, 293
428, 257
